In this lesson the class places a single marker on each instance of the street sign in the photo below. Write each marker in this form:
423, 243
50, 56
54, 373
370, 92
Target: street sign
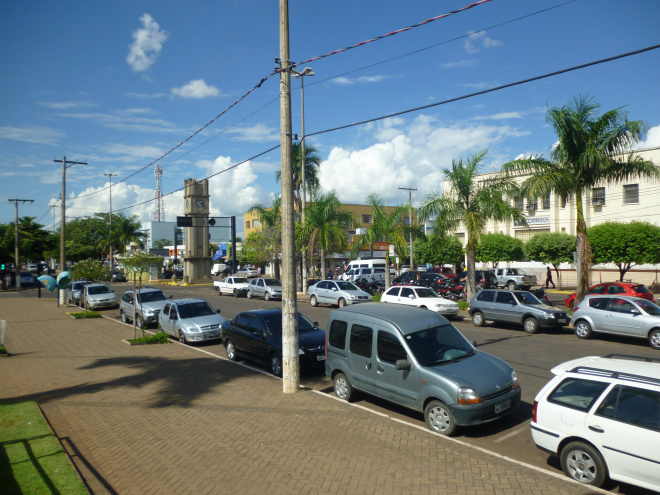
184, 221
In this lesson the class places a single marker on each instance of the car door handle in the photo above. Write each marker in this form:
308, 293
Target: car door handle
380, 369
597, 429
368, 366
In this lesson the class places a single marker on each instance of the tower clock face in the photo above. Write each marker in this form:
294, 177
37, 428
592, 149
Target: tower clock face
187, 203
199, 203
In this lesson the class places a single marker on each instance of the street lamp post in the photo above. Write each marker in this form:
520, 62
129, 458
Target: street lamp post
306, 72
110, 236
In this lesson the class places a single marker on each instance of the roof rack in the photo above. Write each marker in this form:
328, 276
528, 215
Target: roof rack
616, 374
634, 358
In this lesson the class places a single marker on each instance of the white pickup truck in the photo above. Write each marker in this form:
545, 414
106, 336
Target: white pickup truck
235, 286
511, 278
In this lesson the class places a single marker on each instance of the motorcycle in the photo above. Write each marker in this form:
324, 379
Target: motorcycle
542, 296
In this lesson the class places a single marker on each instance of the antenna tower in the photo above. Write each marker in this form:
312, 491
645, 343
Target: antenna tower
159, 215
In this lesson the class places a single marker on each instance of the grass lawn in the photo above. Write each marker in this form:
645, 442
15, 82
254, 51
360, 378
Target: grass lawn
31, 459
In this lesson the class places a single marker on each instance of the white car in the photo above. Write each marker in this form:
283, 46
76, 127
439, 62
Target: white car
422, 297
336, 292
234, 286
190, 320
248, 271
601, 417
268, 288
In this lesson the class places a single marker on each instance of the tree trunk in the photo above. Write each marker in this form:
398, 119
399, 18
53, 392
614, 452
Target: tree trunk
584, 252
323, 272
471, 255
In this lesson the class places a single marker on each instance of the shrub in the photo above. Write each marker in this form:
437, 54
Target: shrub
158, 338
86, 314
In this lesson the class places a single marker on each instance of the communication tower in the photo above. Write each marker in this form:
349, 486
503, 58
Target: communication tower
159, 214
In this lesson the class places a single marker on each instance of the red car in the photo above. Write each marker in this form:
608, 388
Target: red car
625, 288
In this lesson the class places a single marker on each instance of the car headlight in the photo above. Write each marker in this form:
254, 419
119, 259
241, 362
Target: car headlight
351, 296
468, 395
514, 377
549, 316
192, 330
149, 312
300, 351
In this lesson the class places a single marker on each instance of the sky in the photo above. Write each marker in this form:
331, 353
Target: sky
123, 86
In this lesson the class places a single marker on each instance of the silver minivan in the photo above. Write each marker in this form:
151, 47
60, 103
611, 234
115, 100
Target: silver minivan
416, 358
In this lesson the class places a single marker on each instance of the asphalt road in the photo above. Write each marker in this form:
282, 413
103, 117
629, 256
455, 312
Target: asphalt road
532, 356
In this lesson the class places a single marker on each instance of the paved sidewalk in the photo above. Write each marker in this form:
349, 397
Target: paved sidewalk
169, 419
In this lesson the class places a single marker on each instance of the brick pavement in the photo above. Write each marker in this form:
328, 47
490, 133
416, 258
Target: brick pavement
168, 419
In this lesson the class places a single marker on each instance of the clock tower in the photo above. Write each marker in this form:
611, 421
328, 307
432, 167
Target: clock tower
197, 256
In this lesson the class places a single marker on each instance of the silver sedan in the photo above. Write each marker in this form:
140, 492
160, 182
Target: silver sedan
190, 320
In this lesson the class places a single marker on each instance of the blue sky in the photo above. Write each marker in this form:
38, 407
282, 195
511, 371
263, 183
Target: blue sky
119, 84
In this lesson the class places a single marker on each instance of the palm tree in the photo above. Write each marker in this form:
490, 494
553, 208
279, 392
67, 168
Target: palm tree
472, 202
125, 230
589, 152
389, 228
271, 217
312, 162
325, 225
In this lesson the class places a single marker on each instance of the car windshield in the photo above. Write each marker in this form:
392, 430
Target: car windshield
649, 307
77, 286
526, 298
274, 324
346, 286
272, 282
425, 293
145, 297
98, 289
239, 280
195, 309
438, 345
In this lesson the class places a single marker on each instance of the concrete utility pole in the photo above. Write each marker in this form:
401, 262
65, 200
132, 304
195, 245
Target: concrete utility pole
410, 190
17, 253
63, 222
290, 360
111, 176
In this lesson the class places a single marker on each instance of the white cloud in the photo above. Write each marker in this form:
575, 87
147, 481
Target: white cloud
66, 105
147, 44
479, 41
126, 121
257, 133
500, 116
459, 63
196, 89
407, 154
32, 134
346, 81
652, 138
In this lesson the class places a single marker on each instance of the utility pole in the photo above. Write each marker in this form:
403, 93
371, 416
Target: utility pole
290, 359
17, 253
110, 237
63, 223
410, 190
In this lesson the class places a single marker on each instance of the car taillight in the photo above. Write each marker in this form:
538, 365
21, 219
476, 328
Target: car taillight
534, 411
575, 309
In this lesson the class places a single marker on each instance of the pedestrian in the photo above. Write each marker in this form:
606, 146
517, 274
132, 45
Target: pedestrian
258, 272
548, 278
330, 274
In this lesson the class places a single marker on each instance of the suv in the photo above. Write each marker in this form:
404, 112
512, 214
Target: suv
511, 278
416, 358
620, 288
515, 307
618, 315
601, 417
150, 304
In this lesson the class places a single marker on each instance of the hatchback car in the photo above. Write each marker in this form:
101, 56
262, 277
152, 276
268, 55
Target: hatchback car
190, 320
336, 292
118, 276
618, 315
615, 288
257, 336
74, 291
601, 417
150, 302
98, 296
28, 279
247, 271
422, 297
268, 288
518, 306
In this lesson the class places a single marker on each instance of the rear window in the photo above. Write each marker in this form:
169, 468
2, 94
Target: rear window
337, 334
598, 303
641, 289
577, 393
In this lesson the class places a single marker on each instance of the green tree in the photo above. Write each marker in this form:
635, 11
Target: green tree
494, 248
84, 238
437, 250
125, 230
34, 241
325, 225
90, 269
312, 162
625, 244
551, 248
471, 201
589, 152
258, 249
271, 218
139, 262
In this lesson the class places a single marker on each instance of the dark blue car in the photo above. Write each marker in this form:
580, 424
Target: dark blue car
257, 336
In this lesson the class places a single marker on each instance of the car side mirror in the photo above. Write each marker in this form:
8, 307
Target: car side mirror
411, 296
316, 323
402, 364
635, 311
335, 289
171, 296
173, 317
217, 311
474, 343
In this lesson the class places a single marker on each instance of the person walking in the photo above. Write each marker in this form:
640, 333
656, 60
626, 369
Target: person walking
548, 278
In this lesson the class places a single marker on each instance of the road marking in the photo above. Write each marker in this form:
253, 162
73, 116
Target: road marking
511, 434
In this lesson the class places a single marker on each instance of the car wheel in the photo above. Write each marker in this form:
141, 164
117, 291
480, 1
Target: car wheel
313, 301
439, 419
493, 282
235, 293
511, 285
343, 388
654, 338
182, 338
341, 303
231, 350
478, 319
249, 294
276, 364
583, 463
530, 325
583, 329
124, 319
267, 296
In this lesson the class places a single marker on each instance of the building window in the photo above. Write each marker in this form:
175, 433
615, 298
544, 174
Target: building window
630, 194
531, 204
598, 196
565, 200
247, 225
366, 218
518, 203
255, 223
546, 202
460, 235
406, 221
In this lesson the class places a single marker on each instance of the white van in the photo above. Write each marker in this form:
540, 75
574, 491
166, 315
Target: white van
373, 270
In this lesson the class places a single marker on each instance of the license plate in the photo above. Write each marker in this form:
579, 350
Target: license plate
561, 320
502, 406
320, 358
